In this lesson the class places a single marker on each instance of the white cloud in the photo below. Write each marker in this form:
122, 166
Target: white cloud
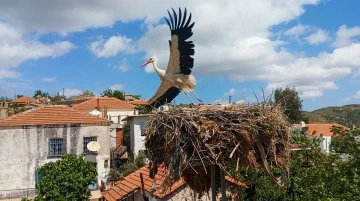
16, 49
117, 87
297, 30
112, 46
356, 96
230, 92
318, 37
244, 51
344, 36
121, 66
241, 49
71, 92
48, 79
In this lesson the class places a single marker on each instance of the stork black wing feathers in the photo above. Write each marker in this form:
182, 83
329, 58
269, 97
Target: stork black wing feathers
183, 29
167, 97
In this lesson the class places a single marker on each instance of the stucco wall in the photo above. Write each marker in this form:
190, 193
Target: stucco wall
113, 115
137, 141
25, 149
325, 144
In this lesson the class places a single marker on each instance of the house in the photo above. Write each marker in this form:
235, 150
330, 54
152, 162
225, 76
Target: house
41, 135
24, 100
139, 102
137, 127
4, 110
111, 108
320, 130
130, 187
130, 97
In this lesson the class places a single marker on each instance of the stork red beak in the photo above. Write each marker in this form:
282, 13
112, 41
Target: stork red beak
146, 63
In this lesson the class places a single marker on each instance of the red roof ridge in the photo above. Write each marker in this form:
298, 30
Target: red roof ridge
126, 104
131, 182
33, 121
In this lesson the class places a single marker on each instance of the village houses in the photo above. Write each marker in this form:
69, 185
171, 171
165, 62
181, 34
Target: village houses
113, 109
41, 135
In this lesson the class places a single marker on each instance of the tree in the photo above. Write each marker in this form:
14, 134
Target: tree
40, 93
289, 99
116, 94
87, 93
5, 99
117, 173
66, 179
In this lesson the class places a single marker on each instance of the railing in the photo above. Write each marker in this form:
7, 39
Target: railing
17, 194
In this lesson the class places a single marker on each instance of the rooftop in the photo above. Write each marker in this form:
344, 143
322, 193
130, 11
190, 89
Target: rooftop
324, 129
24, 99
51, 115
110, 102
127, 118
132, 182
139, 102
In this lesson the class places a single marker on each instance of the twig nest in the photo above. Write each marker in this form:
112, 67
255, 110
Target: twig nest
255, 136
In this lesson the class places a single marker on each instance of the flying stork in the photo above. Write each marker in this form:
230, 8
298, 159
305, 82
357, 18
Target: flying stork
177, 76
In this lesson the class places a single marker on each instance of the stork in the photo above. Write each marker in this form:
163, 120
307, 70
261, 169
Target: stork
177, 77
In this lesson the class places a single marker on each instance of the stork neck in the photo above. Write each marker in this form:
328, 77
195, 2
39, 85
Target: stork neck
159, 71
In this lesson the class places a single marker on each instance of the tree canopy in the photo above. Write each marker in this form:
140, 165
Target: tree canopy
66, 179
314, 175
113, 93
289, 99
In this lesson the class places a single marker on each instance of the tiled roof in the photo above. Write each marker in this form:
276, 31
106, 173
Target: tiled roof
111, 103
324, 129
132, 182
24, 99
51, 115
139, 102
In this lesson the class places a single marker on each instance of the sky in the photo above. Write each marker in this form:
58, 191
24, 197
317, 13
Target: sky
241, 48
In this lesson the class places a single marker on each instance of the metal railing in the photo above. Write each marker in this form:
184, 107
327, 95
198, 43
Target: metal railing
17, 194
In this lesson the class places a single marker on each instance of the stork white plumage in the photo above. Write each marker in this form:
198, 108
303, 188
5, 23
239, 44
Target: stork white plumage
177, 77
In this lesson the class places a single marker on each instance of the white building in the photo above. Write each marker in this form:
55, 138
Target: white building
41, 135
113, 109
319, 130
137, 127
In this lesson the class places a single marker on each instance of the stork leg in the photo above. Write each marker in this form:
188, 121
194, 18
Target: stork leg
198, 98
189, 98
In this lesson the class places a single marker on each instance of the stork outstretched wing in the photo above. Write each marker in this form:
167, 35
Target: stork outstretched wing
165, 94
180, 60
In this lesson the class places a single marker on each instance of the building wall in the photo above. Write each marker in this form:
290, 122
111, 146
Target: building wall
325, 144
25, 149
113, 115
4, 109
137, 141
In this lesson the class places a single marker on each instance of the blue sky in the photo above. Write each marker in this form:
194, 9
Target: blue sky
241, 47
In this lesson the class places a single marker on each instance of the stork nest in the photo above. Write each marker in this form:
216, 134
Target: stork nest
187, 142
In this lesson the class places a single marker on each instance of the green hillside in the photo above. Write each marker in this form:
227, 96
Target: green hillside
347, 115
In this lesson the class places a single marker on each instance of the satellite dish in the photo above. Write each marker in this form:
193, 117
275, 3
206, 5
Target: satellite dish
93, 146
95, 112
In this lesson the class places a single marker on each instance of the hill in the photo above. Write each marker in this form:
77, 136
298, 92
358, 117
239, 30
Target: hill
347, 115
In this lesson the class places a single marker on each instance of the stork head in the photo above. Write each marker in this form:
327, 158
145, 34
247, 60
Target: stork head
150, 60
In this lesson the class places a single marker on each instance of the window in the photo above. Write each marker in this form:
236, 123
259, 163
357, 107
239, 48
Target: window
86, 141
142, 128
56, 147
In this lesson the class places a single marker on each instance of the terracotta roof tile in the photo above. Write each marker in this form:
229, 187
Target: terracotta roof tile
132, 182
24, 99
139, 102
111, 103
324, 129
51, 115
